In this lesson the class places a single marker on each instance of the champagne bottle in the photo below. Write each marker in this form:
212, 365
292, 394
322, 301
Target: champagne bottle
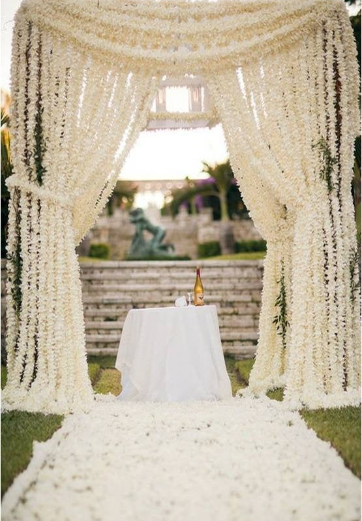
198, 290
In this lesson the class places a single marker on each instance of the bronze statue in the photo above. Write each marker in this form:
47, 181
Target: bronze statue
153, 248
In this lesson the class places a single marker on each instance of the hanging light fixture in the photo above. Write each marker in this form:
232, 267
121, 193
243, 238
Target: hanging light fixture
182, 102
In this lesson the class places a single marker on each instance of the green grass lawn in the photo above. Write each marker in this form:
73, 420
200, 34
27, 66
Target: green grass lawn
18, 431
108, 379
90, 259
94, 371
252, 255
341, 427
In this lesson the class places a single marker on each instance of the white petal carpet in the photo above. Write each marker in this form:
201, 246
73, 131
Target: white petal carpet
239, 460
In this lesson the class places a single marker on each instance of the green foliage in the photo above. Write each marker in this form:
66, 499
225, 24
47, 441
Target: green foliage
280, 319
255, 255
6, 171
276, 394
236, 205
99, 250
108, 382
104, 362
4, 375
88, 259
187, 194
222, 173
328, 162
18, 431
234, 375
222, 195
157, 257
244, 368
223, 177
208, 249
40, 147
342, 428
249, 246
94, 371
123, 195
353, 266
15, 258
358, 220
356, 187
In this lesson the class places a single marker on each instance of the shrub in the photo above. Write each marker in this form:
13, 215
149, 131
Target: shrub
208, 249
99, 250
249, 246
157, 258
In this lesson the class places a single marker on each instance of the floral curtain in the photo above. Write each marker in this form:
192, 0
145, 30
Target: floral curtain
74, 120
284, 81
290, 121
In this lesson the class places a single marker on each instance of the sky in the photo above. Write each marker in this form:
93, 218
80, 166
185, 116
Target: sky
166, 154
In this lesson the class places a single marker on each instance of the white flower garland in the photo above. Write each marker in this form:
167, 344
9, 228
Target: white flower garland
284, 82
211, 117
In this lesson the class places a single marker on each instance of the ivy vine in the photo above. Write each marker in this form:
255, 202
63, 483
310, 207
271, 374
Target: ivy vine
354, 280
40, 147
15, 259
280, 319
328, 160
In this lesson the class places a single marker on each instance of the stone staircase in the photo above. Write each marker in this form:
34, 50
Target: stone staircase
111, 289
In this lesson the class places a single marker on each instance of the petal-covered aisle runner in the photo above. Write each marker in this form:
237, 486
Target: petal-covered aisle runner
243, 459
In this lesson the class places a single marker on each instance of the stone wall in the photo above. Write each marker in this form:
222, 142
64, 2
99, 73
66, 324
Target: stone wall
185, 231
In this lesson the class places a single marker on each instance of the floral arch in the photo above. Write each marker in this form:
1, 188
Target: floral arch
283, 77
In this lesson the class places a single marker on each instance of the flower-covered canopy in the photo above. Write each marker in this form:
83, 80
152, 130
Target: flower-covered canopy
283, 78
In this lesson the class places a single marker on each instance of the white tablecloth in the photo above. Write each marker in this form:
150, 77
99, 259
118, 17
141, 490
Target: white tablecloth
172, 354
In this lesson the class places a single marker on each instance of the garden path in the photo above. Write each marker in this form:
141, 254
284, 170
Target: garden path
217, 461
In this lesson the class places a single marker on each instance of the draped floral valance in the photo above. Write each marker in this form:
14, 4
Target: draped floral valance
283, 79
181, 36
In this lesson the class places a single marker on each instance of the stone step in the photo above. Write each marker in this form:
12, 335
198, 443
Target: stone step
172, 265
230, 336
111, 312
162, 300
110, 289
238, 351
220, 288
225, 322
180, 276
106, 312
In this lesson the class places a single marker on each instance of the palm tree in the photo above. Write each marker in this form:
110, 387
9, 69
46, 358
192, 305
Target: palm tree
217, 185
223, 177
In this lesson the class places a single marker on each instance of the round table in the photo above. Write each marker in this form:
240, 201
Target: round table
172, 354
